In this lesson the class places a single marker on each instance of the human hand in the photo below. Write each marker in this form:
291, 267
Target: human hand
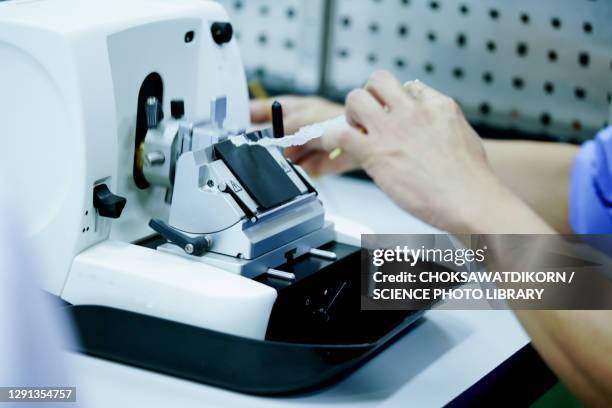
299, 111
419, 148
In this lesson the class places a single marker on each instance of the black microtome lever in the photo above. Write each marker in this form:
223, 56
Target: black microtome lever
278, 127
191, 245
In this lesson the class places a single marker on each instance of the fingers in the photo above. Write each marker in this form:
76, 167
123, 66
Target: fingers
312, 164
350, 140
298, 154
386, 89
419, 91
318, 165
294, 121
261, 110
363, 110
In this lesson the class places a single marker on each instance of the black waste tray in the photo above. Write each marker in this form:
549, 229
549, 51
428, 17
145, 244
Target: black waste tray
246, 365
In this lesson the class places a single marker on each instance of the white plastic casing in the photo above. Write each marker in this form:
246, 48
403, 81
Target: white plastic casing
71, 74
72, 71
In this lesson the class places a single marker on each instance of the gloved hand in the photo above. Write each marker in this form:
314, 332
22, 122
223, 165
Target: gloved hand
418, 147
299, 111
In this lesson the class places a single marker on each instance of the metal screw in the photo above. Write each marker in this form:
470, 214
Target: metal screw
189, 248
209, 240
155, 158
210, 183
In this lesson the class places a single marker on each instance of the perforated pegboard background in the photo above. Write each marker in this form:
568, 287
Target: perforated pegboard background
543, 67
281, 41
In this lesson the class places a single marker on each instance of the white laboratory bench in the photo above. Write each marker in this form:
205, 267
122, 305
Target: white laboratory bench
428, 367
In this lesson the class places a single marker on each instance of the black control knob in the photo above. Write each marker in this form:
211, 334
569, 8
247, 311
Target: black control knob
221, 32
177, 108
108, 204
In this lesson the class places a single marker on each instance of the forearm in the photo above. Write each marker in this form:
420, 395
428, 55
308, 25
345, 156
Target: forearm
537, 172
578, 347
494, 208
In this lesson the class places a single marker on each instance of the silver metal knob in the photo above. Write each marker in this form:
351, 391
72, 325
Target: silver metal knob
154, 112
155, 158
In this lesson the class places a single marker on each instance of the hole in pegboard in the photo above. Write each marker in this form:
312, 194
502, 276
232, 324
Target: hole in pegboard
405, 2
264, 10
400, 63
289, 44
373, 27
345, 21
518, 82
549, 88
525, 19
291, 13
609, 97
577, 125
262, 39
458, 72
260, 72
545, 119
343, 53
484, 108
238, 5
461, 40
487, 77
579, 93
584, 59
500, 62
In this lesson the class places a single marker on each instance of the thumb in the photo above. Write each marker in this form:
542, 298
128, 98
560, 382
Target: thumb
350, 140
